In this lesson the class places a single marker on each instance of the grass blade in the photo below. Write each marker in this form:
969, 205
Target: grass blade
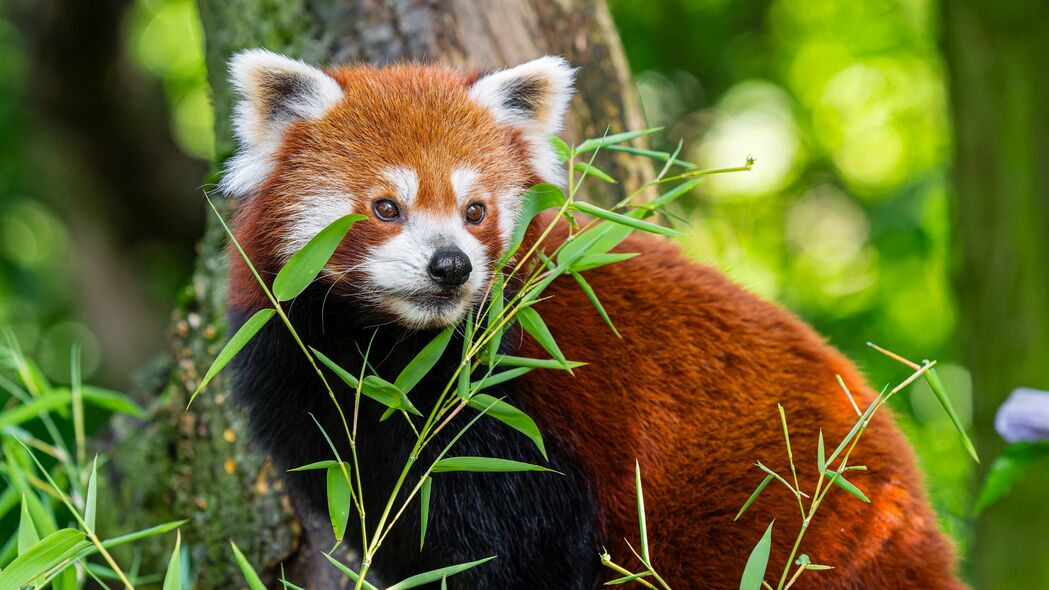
27, 533
42, 556
173, 577
237, 342
303, 267
252, 578
91, 503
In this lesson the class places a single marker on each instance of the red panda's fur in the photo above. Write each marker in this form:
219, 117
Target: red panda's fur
690, 390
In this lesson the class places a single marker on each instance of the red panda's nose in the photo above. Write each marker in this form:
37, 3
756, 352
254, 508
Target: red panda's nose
450, 267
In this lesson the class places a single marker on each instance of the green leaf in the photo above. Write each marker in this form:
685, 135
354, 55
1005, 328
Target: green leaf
590, 261
505, 360
424, 510
591, 170
32, 409
252, 578
847, 485
237, 342
754, 572
316, 466
438, 574
655, 155
642, 526
665, 199
540, 197
338, 500
754, 496
42, 556
387, 393
626, 579
631, 222
536, 327
349, 573
500, 377
495, 310
424, 361
302, 268
27, 534
600, 142
509, 415
592, 296
91, 503
821, 453
933, 379
341, 373
1014, 461
560, 148
173, 577
484, 465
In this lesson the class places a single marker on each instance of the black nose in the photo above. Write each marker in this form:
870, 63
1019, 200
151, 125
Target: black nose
450, 267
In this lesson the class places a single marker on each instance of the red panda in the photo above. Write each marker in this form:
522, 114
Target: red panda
438, 162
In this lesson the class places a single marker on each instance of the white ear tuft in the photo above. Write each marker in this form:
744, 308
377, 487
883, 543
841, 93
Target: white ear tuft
275, 91
532, 97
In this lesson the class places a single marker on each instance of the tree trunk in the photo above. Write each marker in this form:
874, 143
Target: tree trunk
996, 54
198, 464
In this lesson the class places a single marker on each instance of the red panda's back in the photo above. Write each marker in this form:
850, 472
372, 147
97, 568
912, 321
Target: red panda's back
691, 391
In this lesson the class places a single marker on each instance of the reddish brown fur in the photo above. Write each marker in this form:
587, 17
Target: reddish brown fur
691, 388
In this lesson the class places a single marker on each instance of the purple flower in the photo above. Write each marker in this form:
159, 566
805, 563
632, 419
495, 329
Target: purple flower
1024, 416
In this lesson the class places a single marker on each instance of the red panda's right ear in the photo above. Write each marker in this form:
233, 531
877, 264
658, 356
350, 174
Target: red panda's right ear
274, 91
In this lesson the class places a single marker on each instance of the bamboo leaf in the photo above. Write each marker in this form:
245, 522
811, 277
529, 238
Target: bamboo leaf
590, 261
500, 377
560, 148
591, 170
41, 557
600, 142
304, 266
933, 379
437, 574
539, 198
235, 344
338, 500
665, 199
424, 361
91, 503
536, 327
632, 222
505, 360
495, 310
484, 465
252, 578
511, 416
642, 526
821, 453
592, 296
349, 573
27, 533
387, 393
754, 496
341, 373
424, 510
754, 572
173, 577
846, 485
317, 465
626, 579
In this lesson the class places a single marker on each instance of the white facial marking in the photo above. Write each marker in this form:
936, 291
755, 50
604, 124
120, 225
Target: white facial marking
405, 182
509, 204
464, 181
310, 215
399, 279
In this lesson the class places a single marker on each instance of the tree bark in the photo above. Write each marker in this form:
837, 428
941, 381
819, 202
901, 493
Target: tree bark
996, 55
198, 464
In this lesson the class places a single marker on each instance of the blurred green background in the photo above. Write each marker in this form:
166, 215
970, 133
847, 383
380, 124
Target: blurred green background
846, 219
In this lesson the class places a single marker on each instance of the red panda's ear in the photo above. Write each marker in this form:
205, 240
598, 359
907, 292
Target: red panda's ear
274, 91
532, 97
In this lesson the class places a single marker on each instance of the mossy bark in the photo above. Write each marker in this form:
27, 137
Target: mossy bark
996, 53
199, 464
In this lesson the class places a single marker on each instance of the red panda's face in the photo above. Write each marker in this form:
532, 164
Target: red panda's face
437, 164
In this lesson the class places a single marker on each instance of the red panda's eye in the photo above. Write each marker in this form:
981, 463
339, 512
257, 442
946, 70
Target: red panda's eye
386, 209
475, 213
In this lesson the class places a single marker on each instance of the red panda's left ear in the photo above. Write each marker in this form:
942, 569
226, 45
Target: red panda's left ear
532, 97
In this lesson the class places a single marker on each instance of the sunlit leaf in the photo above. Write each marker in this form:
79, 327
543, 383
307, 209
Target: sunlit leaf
754, 572
642, 525
252, 578
821, 457
591, 261
540, 197
632, 222
505, 360
304, 266
599, 142
847, 485
438, 574
484, 465
655, 155
511, 416
591, 170
91, 503
560, 148
27, 534
173, 576
424, 361
933, 379
338, 500
41, 557
235, 344
665, 199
